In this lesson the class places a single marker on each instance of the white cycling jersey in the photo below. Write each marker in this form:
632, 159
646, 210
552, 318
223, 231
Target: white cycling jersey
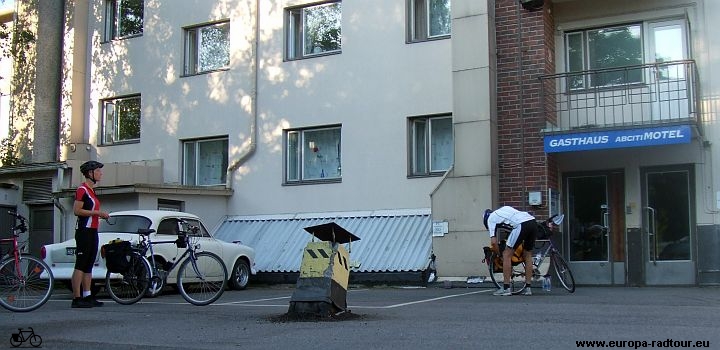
509, 217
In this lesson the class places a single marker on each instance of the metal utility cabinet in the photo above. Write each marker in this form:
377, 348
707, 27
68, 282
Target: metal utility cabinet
324, 273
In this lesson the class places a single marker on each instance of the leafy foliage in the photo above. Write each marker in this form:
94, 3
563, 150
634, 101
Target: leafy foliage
17, 44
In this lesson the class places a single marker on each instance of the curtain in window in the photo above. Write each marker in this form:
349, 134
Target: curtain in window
441, 144
212, 162
322, 154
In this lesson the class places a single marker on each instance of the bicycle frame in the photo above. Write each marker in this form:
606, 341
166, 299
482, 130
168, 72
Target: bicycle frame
147, 244
16, 248
189, 252
21, 334
540, 256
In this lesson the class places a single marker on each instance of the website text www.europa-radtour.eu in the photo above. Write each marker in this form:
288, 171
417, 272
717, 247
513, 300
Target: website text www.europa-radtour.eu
637, 344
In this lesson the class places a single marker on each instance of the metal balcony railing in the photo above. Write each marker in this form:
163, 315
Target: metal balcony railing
632, 96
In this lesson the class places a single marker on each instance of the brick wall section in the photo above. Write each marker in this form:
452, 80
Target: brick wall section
525, 49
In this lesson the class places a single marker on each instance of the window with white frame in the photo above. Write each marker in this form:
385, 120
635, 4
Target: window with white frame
205, 161
207, 47
123, 18
313, 30
602, 48
121, 120
428, 19
431, 145
313, 154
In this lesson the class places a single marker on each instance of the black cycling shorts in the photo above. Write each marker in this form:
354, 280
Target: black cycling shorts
528, 234
86, 240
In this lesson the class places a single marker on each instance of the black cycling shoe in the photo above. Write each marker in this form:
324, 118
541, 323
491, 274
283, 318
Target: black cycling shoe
94, 302
81, 303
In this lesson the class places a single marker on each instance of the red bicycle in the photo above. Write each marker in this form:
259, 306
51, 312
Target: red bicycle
26, 282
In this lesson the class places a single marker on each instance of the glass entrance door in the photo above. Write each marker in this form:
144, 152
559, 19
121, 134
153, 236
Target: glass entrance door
595, 216
588, 229
668, 223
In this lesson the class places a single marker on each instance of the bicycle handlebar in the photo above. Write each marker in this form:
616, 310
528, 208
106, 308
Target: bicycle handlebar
191, 228
21, 227
16, 215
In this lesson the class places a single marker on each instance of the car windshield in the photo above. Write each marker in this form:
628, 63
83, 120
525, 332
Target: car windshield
124, 223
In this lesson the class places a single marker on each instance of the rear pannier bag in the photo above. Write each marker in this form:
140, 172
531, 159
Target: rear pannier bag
117, 256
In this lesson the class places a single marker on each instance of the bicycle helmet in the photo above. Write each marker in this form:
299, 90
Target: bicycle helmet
485, 217
89, 166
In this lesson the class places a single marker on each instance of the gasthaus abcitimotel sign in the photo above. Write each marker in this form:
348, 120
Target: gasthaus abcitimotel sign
666, 135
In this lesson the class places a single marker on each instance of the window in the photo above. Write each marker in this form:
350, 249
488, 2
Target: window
313, 155
169, 204
175, 227
611, 47
121, 120
123, 18
428, 19
124, 224
313, 30
205, 162
207, 48
431, 145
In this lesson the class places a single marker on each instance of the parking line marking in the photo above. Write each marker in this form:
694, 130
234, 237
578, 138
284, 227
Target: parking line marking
238, 303
251, 301
420, 301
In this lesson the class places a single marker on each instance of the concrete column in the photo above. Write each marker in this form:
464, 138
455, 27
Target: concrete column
470, 186
75, 104
47, 80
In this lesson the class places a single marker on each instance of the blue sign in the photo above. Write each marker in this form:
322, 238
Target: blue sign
666, 135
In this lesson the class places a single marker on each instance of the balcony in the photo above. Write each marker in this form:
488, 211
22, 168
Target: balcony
622, 98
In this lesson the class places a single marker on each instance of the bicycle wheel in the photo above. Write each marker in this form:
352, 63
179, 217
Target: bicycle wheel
129, 287
25, 286
563, 273
517, 276
35, 340
202, 281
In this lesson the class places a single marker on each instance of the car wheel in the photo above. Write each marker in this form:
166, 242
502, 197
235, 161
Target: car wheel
240, 275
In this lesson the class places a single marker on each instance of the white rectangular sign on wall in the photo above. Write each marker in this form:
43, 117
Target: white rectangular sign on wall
439, 228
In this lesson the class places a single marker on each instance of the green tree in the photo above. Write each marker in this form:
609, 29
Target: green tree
16, 42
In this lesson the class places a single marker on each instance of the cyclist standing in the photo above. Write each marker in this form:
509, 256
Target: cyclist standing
87, 209
523, 230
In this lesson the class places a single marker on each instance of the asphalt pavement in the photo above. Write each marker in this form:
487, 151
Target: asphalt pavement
387, 318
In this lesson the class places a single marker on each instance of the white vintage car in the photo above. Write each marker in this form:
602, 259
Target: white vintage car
239, 259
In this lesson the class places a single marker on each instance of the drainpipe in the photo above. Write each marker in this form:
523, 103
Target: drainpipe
56, 201
63, 215
253, 124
